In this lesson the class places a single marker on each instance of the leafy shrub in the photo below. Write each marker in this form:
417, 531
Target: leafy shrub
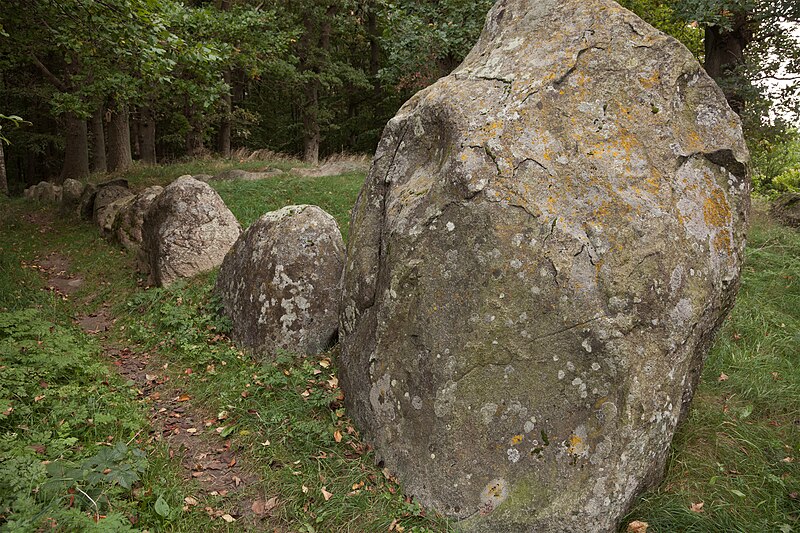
59, 415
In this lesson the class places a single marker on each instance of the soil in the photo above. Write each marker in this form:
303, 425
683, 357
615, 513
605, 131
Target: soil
189, 431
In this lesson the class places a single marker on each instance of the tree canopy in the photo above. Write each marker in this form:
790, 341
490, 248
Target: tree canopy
104, 82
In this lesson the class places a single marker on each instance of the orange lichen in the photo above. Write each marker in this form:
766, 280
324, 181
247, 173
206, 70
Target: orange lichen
516, 439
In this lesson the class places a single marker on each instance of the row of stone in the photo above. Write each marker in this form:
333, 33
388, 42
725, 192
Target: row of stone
279, 281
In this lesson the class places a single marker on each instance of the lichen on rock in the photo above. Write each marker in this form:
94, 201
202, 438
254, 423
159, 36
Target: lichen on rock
280, 283
545, 244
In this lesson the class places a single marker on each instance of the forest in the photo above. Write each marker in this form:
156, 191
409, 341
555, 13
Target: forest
97, 85
126, 405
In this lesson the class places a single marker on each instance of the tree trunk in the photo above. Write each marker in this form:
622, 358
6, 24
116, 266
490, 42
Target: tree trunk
724, 53
98, 143
119, 140
311, 132
147, 131
224, 134
3, 179
76, 149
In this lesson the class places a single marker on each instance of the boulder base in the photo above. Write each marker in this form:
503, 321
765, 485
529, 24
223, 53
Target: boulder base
280, 283
187, 230
543, 249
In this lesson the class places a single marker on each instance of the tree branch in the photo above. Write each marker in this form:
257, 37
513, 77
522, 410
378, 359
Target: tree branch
60, 85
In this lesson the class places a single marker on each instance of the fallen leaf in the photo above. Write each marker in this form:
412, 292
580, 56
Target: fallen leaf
190, 501
333, 382
261, 507
237, 480
325, 494
191, 431
697, 507
723, 377
38, 398
305, 489
150, 377
245, 394
228, 518
232, 463
637, 526
775, 376
325, 363
337, 436
392, 525
788, 459
183, 398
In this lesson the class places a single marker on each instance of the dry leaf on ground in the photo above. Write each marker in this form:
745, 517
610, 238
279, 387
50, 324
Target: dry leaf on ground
637, 526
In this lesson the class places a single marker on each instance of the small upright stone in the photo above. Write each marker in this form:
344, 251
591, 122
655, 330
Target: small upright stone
280, 282
187, 230
129, 223
108, 203
71, 193
85, 208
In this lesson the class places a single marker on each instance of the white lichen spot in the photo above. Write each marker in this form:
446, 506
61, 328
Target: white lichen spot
487, 413
570, 366
595, 366
587, 345
450, 226
516, 264
513, 454
416, 402
561, 374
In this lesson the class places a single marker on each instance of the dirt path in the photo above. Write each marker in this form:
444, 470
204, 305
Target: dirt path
191, 433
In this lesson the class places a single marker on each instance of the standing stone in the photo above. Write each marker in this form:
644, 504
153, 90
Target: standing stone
85, 208
128, 226
107, 204
280, 283
187, 230
540, 256
71, 193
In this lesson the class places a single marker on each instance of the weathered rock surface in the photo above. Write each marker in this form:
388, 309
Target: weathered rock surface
47, 192
85, 207
107, 205
72, 190
546, 242
280, 283
129, 223
187, 230
786, 208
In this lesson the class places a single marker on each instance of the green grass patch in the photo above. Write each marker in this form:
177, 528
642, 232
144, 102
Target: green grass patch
248, 200
739, 450
287, 413
73, 450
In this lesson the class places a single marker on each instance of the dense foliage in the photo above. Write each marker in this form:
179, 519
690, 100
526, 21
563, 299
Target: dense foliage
104, 82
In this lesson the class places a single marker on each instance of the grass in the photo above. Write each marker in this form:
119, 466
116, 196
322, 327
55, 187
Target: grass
71, 452
738, 453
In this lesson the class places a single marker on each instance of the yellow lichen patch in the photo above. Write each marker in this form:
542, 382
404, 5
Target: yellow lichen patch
516, 439
716, 210
575, 445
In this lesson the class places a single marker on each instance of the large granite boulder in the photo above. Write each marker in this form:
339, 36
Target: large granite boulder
540, 256
280, 283
108, 202
187, 230
72, 190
